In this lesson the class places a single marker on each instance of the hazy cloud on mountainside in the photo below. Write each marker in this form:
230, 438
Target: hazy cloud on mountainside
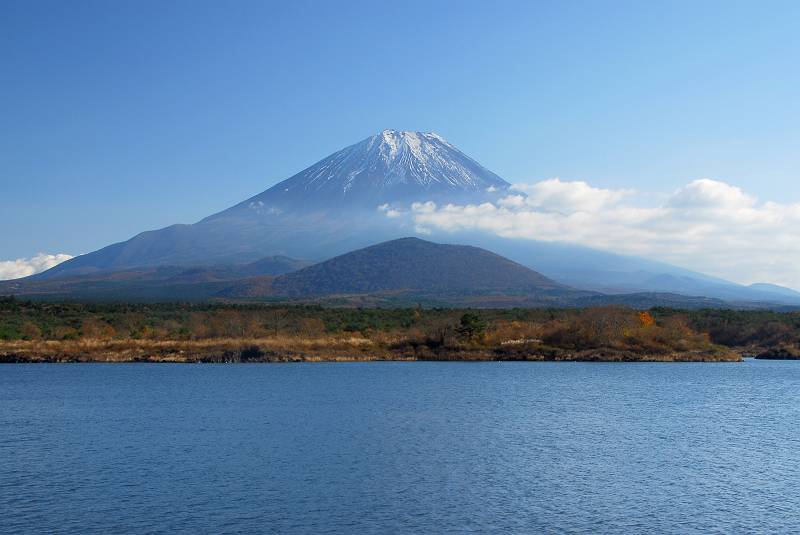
22, 267
707, 225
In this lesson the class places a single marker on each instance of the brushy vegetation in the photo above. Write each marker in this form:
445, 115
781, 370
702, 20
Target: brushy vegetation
609, 333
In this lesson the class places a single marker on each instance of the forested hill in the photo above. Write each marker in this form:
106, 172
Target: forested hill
412, 264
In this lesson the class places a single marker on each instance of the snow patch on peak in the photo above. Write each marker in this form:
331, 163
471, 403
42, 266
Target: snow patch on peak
389, 139
393, 164
437, 137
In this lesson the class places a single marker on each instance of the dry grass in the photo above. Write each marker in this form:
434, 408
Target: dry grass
508, 341
322, 349
281, 348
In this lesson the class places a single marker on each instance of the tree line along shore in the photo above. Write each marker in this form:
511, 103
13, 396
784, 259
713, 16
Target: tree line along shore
172, 332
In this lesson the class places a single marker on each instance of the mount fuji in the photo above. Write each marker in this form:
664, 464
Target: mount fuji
332, 208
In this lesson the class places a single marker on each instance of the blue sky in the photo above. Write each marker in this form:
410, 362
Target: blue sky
125, 116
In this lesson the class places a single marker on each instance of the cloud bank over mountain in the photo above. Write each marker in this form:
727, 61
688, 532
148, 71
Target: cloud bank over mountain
707, 225
22, 267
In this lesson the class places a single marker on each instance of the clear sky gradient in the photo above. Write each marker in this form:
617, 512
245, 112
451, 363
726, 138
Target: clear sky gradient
124, 116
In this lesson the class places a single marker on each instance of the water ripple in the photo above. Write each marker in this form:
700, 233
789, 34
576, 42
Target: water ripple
400, 447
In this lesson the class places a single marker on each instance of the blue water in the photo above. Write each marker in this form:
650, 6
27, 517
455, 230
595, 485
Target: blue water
400, 447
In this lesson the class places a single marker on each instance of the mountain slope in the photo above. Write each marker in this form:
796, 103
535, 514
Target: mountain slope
164, 283
774, 289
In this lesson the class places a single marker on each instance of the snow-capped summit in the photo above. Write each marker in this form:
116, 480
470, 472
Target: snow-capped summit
391, 166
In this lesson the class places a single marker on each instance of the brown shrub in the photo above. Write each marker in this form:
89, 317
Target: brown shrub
96, 328
593, 328
30, 331
65, 333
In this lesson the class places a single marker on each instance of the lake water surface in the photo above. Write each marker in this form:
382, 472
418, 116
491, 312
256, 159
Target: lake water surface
400, 447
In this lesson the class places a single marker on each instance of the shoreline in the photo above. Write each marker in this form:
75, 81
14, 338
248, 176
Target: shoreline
284, 350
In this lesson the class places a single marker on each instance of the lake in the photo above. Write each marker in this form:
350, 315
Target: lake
400, 447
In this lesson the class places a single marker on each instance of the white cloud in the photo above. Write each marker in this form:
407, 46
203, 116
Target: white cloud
554, 195
389, 211
707, 225
711, 194
22, 267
